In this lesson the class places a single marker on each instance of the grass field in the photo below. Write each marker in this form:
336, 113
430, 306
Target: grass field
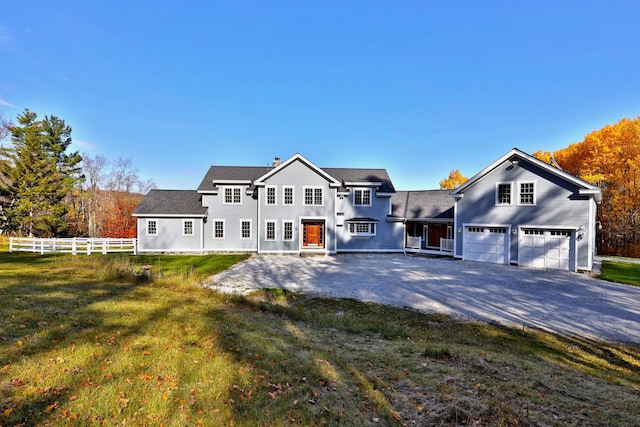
621, 272
91, 341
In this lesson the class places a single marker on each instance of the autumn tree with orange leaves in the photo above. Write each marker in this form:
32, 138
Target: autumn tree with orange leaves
610, 159
454, 180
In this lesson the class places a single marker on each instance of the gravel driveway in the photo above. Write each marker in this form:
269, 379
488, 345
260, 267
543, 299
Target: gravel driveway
565, 302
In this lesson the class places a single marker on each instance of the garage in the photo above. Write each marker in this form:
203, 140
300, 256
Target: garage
486, 244
542, 248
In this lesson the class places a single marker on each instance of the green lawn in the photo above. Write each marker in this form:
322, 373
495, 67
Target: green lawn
89, 341
621, 272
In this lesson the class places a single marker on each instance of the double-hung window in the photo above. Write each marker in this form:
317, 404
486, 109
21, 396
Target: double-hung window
503, 193
232, 196
245, 228
270, 230
313, 196
187, 227
287, 196
271, 195
152, 227
362, 197
218, 228
527, 194
287, 230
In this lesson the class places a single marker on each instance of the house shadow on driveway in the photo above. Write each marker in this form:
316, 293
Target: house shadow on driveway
558, 301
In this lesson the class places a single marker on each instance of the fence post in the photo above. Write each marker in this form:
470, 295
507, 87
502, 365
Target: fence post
73, 246
10, 244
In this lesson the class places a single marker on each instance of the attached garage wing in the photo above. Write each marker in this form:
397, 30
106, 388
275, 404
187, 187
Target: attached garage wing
542, 248
486, 244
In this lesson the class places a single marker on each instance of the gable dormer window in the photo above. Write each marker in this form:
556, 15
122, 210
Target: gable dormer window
362, 197
503, 193
232, 196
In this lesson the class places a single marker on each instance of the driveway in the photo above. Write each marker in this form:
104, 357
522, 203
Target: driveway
565, 302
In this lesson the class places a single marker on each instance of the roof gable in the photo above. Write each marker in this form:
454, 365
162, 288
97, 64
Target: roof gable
516, 155
298, 158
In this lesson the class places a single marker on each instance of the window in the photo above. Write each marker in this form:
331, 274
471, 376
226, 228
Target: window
500, 230
232, 196
288, 196
362, 228
287, 230
475, 230
362, 197
533, 232
313, 196
245, 228
527, 193
152, 227
187, 227
503, 194
271, 195
560, 233
218, 229
270, 230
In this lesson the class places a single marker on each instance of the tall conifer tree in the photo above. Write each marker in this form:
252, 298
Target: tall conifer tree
39, 174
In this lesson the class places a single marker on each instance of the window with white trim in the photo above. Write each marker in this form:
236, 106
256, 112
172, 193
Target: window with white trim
362, 197
218, 228
245, 228
533, 231
152, 227
271, 195
313, 196
187, 227
287, 196
527, 194
232, 196
362, 228
270, 230
287, 230
503, 193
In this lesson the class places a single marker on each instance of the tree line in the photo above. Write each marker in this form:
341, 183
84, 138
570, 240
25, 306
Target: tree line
46, 190
609, 158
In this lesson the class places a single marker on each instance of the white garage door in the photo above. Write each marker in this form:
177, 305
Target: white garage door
545, 248
486, 244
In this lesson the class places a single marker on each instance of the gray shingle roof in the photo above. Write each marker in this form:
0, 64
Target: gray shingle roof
252, 173
436, 204
363, 175
231, 173
170, 202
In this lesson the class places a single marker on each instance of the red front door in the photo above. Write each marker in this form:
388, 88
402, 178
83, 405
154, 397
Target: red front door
436, 232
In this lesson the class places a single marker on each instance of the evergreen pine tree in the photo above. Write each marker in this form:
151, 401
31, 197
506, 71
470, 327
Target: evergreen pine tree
38, 175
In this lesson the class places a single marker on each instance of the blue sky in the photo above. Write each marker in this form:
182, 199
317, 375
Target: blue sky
416, 87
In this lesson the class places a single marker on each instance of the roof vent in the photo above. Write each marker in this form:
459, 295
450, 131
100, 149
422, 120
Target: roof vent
277, 162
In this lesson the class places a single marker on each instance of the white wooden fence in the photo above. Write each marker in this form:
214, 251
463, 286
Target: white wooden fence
74, 245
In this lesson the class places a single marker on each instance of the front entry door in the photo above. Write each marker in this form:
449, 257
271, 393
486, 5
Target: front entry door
313, 234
